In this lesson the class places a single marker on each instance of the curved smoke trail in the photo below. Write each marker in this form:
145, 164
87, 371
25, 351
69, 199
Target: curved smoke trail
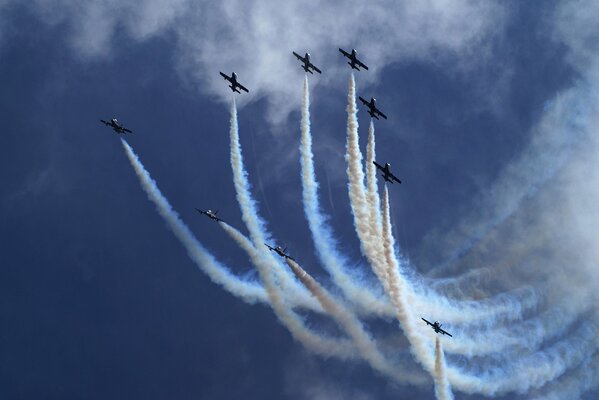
507, 306
322, 236
250, 292
573, 386
562, 126
442, 387
503, 356
357, 192
256, 225
523, 375
350, 324
313, 341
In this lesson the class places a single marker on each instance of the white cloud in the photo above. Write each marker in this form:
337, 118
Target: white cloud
255, 38
575, 24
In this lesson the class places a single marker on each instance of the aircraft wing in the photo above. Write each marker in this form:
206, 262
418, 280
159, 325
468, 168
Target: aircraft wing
269, 248
381, 114
444, 332
363, 101
379, 166
361, 64
217, 218
298, 56
105, 122
393, 177
240, 86
225, 76
315, 68
127, 130
345, 53
427, 322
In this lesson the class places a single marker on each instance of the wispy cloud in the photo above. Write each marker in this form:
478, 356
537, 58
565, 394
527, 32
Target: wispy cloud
255, 38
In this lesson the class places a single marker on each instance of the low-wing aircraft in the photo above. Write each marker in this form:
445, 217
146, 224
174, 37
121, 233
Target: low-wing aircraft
234, 84
372, 110
437, 327
353, 59
116, 126
308, 66
387, 174
210, 214
279, 250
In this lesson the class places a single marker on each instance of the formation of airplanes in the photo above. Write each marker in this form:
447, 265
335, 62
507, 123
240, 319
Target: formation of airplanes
436, 326
279, 250
308, 67
116, 126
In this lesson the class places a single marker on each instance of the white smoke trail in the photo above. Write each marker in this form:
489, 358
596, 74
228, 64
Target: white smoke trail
256, 226
249, 291
318, 343
352, 326
526, 336
374, 202
323, 238
422, 299
370, 242
425, 301
574, 385
442, 387
357, 191
523, 374
564, 123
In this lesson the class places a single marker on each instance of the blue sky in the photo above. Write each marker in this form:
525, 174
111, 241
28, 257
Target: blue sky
491, 127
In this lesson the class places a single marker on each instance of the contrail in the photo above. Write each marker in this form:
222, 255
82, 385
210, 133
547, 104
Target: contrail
256, 226
442, 387
374, 202
370, 241
487, 355
249, 291
523, 374
357, 191
562, 126
577, 383
323, 238
352, 326
313, 341
425, 300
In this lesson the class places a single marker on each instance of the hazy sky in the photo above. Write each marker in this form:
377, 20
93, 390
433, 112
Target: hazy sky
491, 128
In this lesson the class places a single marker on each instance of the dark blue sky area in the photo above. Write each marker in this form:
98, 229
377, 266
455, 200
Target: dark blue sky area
99, 300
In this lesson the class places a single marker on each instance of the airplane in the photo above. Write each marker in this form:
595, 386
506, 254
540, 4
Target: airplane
234, 84
279, 250
210, 214
372, 110
387, 175
308, 66
353, 59
437, 327
118, 128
